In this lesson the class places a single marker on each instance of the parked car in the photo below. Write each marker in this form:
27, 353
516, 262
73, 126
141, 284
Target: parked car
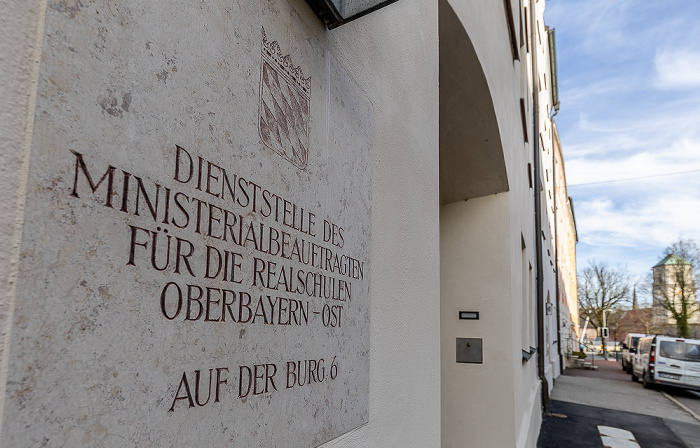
596, 346
612, 346
593, 345
629, 348
667, 360
640, 360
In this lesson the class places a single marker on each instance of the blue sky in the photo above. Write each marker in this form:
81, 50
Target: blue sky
629, 88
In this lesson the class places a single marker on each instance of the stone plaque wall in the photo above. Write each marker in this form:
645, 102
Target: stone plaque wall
195, 256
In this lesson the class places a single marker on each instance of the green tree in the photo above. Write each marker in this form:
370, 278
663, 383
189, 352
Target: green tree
602, 289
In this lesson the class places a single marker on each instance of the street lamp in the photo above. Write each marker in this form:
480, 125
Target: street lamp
605, 335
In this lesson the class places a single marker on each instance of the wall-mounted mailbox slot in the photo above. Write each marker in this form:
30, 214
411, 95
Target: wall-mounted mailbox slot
469, 350
473, 315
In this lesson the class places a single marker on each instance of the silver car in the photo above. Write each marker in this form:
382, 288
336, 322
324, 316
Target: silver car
629, 348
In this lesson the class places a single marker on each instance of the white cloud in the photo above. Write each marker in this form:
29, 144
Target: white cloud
577, 93
629, 79
678, 68
649, 125
678, 157
594, 21
657, 222
636, 234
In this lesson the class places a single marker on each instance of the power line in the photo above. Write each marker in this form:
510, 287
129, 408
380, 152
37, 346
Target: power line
633, 178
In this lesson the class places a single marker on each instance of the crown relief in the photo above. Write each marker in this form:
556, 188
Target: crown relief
273, 52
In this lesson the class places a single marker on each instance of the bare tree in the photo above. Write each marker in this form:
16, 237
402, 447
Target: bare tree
674, 284
638, 320
613, 319
600, 290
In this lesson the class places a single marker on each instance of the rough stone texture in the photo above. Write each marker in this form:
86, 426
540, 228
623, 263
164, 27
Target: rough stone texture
95, 358
20, 26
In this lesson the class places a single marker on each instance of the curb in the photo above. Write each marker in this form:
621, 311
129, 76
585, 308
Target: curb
682, 406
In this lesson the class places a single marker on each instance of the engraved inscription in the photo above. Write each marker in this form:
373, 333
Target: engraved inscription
234, 253
201, 388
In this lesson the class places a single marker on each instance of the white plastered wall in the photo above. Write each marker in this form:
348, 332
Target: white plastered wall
544, 85
510, 387
475, 276
20, 42
380, 53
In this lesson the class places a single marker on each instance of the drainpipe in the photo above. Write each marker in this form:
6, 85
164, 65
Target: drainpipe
538, 212
556, 248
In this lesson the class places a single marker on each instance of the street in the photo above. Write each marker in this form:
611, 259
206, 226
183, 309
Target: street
604, 407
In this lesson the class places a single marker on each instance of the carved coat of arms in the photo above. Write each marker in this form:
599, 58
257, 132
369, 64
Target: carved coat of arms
283, 116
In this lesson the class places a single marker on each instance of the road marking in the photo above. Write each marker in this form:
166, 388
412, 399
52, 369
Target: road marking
682, 406
554, 414
616, 437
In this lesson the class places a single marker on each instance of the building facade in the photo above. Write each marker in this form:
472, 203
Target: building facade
566, 239
673, 286
229, 225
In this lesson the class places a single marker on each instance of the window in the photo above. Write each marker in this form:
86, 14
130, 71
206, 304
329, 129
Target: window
530, 296
520, 10
527, 32
525, 334
679, 351
523, 118
658, 275
634, 342
511, 30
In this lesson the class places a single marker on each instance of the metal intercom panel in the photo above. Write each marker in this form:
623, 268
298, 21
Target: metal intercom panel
470, 350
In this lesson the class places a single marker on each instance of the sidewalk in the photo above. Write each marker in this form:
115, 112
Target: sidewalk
604, 407
611, 370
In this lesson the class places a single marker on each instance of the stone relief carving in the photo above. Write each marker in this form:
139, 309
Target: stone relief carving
283, 114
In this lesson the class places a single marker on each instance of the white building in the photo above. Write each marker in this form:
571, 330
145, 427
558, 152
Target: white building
673, 286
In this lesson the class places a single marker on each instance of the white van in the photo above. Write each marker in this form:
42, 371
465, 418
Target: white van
667, 360
629, 348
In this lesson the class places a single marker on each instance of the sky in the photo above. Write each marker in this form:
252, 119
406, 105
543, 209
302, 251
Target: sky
629, 93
